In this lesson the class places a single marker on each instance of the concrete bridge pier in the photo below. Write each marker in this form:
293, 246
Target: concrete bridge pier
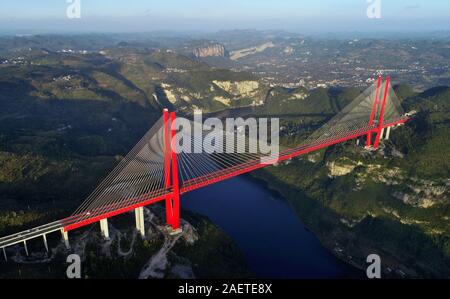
140, 224
388, 133
4, 254
45, 242
104, 228
382, 134
65, 237
26, 248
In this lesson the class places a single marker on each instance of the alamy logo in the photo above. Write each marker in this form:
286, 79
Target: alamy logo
74, 9
374, 269
74, 268
374, 9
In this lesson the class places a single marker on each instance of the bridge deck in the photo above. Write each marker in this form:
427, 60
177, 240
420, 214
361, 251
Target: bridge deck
31, 234
78, 221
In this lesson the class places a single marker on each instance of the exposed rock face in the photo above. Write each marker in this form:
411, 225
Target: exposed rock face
314, 157
212, 50
423, 193
299, 96
169, 93
239, 88
341, 168
235, 55
410, 190
186, 99
223, 100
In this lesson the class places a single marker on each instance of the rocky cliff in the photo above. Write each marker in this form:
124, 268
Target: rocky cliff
211, 50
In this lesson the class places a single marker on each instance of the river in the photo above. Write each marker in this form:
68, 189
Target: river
273, 239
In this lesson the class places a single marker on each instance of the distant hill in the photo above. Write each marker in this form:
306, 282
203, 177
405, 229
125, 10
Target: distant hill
425, 139
65, 115
68, 117
210, 50
150, 78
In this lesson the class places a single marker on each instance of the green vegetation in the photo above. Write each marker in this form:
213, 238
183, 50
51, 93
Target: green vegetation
380, 202
113, 266
283, 101
214, 254
67, 118
65, 122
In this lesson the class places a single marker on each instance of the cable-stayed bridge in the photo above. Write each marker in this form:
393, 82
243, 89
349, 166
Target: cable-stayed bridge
154, 171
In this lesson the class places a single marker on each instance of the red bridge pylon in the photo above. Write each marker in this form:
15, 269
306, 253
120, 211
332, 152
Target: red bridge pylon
171, 171
378, 106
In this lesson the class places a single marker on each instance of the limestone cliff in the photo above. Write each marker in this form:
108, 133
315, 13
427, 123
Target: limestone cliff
239, 88
211, 50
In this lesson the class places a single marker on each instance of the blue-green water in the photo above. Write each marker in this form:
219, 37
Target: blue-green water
272, 237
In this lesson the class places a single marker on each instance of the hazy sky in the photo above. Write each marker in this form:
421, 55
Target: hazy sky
298, 15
